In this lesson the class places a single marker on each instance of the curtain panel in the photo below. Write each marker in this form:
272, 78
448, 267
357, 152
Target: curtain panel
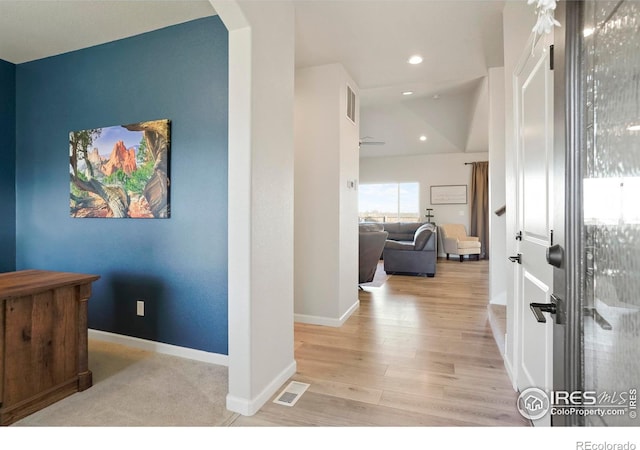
479, 193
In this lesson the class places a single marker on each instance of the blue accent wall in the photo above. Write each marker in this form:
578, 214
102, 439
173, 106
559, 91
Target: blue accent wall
7, 166
178, 266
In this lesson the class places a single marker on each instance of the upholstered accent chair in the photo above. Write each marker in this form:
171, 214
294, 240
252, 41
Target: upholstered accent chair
371, 243
417, 257
456, 241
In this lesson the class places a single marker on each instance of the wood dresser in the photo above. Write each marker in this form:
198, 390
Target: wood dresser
43, 339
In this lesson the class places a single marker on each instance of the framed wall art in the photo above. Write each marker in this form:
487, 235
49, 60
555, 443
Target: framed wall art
449, 194
121, 171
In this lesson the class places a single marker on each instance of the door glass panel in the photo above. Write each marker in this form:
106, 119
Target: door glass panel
611, 207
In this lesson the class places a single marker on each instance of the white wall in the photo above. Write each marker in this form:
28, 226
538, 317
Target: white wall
497, 224
428, 170
326, 214
261, 88
348, 225
518, 20
478, 139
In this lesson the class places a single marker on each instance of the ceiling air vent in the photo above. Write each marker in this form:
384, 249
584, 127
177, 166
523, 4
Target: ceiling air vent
351, 104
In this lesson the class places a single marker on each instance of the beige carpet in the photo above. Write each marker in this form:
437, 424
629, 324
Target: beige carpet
133, 387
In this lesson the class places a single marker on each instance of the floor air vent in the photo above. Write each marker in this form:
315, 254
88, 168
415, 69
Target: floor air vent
291, 394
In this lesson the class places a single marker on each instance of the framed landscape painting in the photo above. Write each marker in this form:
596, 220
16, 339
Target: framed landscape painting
121, 171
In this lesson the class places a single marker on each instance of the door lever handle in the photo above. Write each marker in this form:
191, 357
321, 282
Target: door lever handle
538, 308
517, 258
597, 317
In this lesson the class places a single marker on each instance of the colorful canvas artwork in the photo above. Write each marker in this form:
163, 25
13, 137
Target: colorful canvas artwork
121, 171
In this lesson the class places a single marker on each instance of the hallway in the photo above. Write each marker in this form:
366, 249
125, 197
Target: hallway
418, 352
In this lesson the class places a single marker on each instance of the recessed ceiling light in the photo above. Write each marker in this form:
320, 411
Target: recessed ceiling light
407, 93
634, 128
423, 138
588, 32
415, 59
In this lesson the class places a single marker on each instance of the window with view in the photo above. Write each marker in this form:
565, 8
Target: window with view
389, 202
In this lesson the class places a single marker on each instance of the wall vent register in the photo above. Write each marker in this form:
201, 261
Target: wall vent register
351, 104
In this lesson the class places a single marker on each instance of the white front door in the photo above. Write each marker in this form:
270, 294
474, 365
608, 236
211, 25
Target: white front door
533, 86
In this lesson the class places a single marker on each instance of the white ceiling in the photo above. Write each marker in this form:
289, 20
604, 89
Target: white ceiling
372, 39
459, 40
31, 29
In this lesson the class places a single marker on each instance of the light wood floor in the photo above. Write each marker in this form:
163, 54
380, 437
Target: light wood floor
417, 352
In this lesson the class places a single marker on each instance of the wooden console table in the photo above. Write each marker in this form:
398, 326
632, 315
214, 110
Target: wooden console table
43, 339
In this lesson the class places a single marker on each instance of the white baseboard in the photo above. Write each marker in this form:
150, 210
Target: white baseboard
510, 372
159, 347
327, 321
498, 333
248, 407
500, 299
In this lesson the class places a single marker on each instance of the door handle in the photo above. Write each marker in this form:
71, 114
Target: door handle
597, 317
552, 308
517, 258
555, 255
538, 308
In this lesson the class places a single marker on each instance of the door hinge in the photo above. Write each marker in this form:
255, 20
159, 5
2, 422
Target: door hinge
551, 57
519, 236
